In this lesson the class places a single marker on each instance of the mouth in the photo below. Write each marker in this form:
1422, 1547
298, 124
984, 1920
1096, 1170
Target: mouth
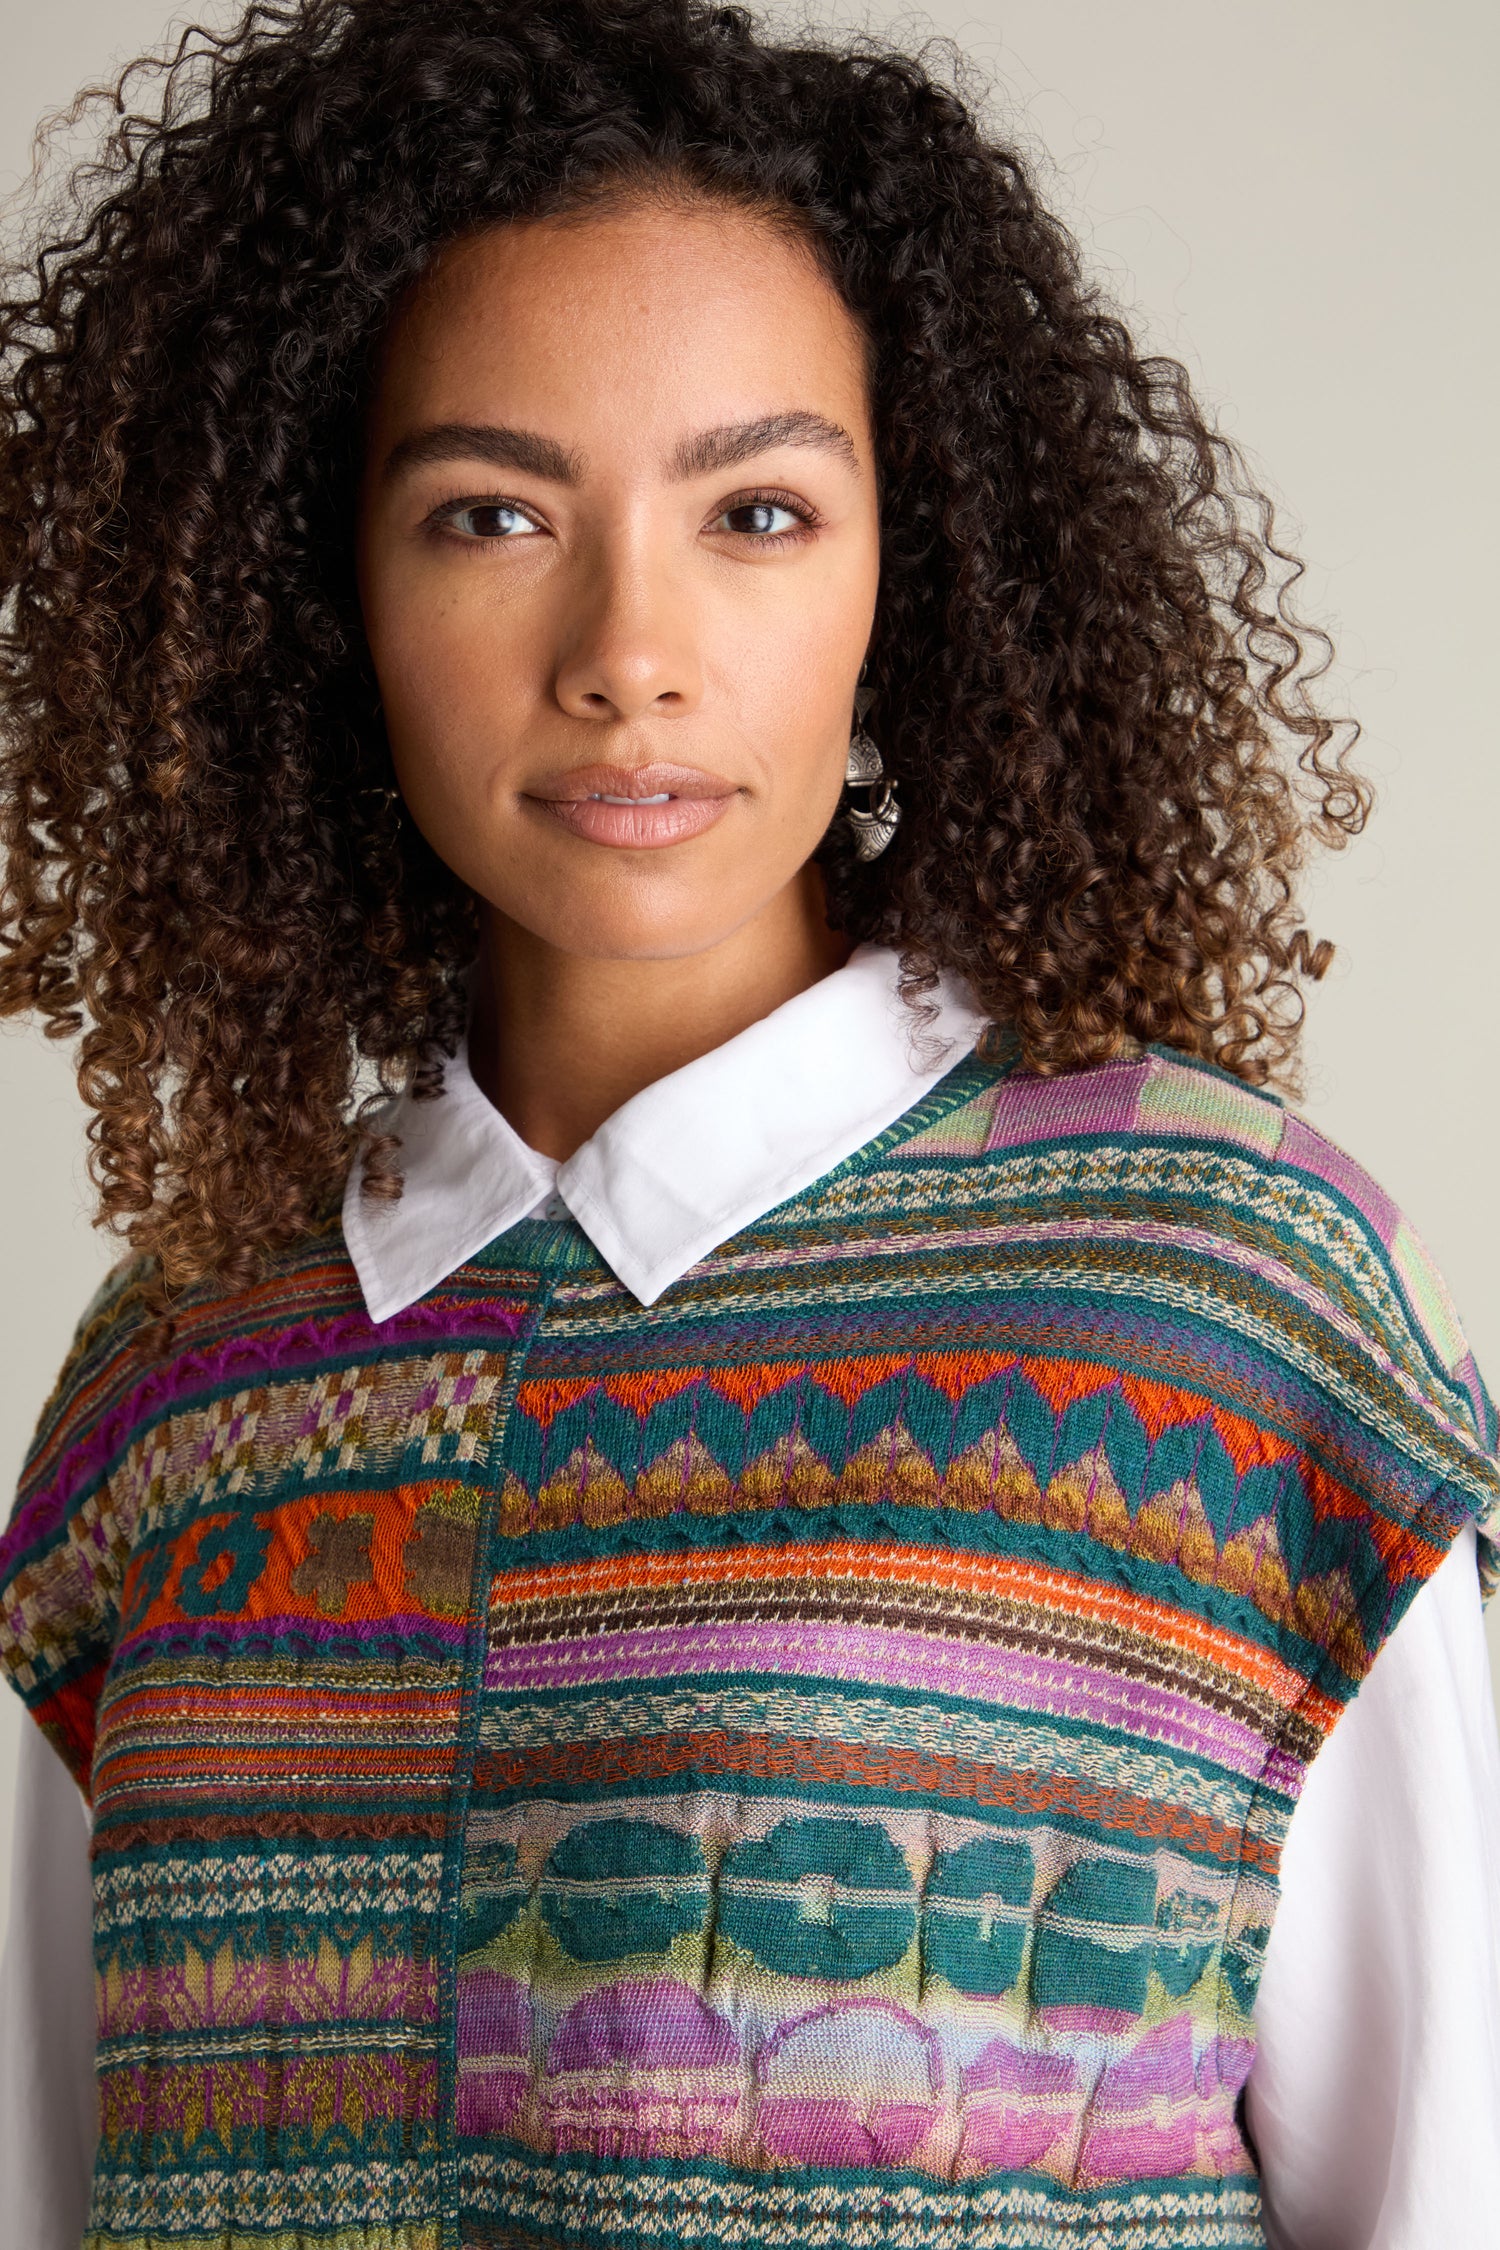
636, 807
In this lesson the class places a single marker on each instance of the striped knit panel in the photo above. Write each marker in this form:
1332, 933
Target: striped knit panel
906, 1644
804, 1761
267, 1605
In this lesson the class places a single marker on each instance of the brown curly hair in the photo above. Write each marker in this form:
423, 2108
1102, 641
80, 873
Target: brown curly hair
1087, 678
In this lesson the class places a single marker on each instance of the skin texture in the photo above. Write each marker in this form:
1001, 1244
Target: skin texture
625, 604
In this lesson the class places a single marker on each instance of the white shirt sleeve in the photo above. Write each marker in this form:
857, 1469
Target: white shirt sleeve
1374, 2098
48, 2111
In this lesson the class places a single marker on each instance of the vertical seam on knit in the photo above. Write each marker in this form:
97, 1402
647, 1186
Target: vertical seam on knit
471, 1710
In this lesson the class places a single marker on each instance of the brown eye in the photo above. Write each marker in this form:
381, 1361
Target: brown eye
762, 519
488, 519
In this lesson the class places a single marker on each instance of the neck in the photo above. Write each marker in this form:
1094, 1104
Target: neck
558, 1041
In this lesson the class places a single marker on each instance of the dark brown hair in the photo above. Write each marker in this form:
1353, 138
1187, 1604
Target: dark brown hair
1087, 680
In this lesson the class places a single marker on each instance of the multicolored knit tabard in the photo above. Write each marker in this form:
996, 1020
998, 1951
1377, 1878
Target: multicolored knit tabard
801, 1764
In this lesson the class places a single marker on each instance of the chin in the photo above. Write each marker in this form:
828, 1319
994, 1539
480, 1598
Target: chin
623, 921
637, 907
636, 938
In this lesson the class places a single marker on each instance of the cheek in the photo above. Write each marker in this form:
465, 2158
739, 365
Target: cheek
793, 696
792, 626
424, 631
457, 682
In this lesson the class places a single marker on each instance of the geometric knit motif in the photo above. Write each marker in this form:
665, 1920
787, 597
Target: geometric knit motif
804, 1762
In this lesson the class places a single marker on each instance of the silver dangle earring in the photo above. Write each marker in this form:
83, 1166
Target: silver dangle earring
874, 826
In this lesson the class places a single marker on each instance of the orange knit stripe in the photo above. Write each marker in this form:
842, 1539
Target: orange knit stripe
890, 1563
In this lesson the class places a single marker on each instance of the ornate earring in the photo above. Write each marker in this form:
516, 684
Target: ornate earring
873, 826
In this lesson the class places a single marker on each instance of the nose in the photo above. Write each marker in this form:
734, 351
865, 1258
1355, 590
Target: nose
630, 645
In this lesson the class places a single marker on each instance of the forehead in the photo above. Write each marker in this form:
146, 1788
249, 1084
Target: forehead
628, 318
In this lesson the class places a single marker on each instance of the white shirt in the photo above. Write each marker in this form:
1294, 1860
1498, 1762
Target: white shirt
1374, 2099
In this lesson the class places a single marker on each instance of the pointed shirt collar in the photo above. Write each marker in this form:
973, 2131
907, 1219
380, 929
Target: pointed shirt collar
682, 1165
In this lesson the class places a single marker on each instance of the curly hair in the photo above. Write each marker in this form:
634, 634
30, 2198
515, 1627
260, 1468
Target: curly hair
1087, 678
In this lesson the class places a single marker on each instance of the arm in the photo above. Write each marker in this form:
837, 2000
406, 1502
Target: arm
47, 2105
1374, 2099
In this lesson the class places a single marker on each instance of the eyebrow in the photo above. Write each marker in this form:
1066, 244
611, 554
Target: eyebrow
535, 455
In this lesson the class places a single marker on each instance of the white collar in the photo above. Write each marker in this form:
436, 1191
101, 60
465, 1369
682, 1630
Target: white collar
681, 1166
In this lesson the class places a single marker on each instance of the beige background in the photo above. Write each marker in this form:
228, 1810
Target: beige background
1298, 200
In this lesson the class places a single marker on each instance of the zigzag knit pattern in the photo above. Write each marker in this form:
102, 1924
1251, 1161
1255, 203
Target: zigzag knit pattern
804, 1763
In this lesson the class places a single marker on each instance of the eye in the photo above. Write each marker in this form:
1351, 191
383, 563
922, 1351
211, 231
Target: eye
768, 518
482, 521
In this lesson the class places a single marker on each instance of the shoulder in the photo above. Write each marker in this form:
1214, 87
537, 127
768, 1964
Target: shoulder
125, 1367
87, 1475
1333, 1220
1204, 1148
1278, 1348
61, 1552
1219, 1211
110, 1349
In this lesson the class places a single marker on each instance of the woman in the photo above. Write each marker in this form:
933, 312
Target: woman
742, 1613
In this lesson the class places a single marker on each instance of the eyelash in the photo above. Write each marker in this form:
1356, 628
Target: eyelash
808, 518
435, 520
770, 496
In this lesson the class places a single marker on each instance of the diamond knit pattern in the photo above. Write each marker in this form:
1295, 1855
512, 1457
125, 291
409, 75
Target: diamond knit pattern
803, 1763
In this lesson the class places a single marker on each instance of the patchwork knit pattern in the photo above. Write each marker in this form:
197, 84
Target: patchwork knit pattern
802, 1763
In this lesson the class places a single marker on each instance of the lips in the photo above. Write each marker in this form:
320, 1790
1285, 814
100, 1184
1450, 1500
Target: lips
635, 806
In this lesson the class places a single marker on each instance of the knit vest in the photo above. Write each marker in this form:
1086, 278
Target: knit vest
803, 1763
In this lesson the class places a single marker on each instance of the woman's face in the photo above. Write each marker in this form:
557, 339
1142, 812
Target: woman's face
619, 540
